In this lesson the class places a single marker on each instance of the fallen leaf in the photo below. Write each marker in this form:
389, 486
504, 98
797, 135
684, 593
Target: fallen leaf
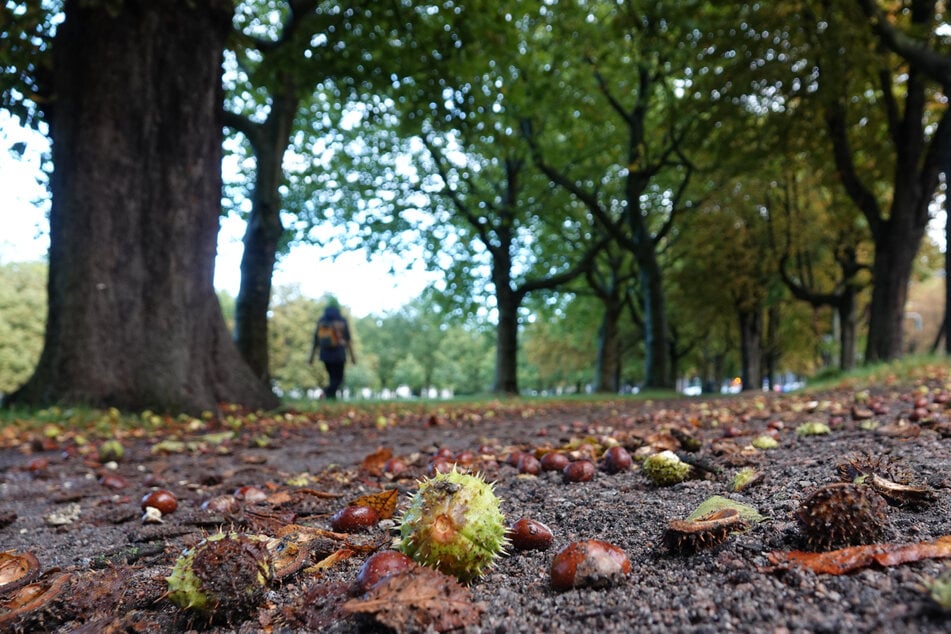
373, 463
844, 560
330, 560
384, 502
417, 599
280, 498
318, 494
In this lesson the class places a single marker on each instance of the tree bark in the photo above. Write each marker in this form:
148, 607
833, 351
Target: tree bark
506, 341
894, 257
656, 333
751, 327
264, 230
848, 323
136, 126
608, 355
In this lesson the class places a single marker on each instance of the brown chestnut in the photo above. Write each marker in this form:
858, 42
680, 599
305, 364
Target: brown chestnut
590, 563
527, 534
616, 459
395, 466
113, 481
554, 461
160, 499
529, 464
378, 567
221, 504
352, 519
250, 494
579, 471
439, 465
513, 457
465, 457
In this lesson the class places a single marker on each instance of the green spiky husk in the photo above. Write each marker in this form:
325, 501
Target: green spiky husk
454, 524
665, 468
225, 574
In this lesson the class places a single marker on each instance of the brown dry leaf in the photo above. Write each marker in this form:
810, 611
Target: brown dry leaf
844, 560
417, 599
280, 498
373, 463
329, 561
384, 502
318, 494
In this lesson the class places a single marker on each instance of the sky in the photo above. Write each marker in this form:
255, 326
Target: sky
365, 286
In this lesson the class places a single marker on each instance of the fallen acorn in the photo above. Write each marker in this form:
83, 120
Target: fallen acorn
590, 563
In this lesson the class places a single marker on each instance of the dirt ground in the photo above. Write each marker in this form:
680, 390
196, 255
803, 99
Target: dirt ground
105, 567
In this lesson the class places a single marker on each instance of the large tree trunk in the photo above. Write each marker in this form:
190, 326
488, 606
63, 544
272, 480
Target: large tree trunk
656, 338
894, 257
133, 317
751, 328
608, 355
263, 234
848, 325
506, 331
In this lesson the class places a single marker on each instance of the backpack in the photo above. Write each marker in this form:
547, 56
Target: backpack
329, 334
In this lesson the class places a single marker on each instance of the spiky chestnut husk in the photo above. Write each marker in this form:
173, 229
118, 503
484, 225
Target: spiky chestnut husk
454, 524
225, 575
865, 464
843, 514
813, 428
888, 476
34, 606
689, 536
665, 468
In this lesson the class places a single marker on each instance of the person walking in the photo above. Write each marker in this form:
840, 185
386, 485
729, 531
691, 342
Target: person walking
332, 339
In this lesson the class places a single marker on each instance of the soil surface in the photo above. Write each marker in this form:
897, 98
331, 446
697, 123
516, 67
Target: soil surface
80, 514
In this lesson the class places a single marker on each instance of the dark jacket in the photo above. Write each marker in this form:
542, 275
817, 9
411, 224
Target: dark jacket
335, 354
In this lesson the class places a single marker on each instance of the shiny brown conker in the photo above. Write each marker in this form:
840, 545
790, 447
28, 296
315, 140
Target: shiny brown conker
221, 504
353, 519
528, 534
395, 466
529, 464
250, 494
579, 471
439, 465
616, 459
378, 567
160, 499
554, 461
590, 563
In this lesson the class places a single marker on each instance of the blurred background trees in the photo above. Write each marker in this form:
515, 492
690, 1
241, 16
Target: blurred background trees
615, 195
